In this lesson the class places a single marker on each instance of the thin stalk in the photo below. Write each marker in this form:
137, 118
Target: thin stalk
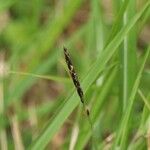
94, 144
33, 119
74, 136
16, 133
148, 137
47, 77
127, 57
3, 135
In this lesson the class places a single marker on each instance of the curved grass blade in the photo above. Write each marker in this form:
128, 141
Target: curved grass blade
47, 77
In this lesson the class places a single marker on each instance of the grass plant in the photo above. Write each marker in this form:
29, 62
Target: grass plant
109, 47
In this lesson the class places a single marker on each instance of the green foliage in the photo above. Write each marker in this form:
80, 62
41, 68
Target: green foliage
112, 68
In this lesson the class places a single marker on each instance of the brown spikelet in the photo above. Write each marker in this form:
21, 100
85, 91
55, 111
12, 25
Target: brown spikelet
73, 74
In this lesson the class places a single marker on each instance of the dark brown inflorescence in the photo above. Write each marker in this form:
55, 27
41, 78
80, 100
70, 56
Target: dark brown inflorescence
73, 74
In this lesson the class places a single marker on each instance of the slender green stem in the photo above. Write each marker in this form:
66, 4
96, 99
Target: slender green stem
91, 126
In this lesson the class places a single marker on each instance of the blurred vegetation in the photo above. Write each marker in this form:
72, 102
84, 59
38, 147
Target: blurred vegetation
109, 44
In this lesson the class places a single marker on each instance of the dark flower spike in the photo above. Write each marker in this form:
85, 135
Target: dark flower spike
73, 75
76, 82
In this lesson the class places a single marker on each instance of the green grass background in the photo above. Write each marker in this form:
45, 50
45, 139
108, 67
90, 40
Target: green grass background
105, 41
